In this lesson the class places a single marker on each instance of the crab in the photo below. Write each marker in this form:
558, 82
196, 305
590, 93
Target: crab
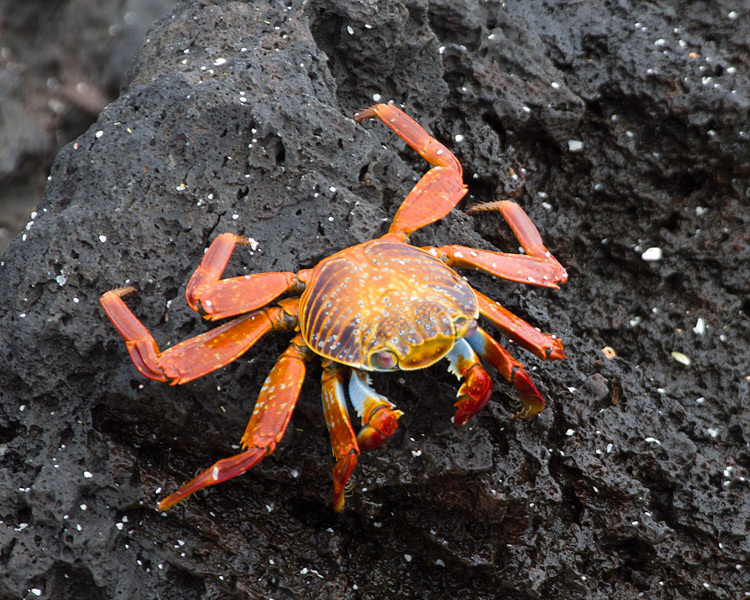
379, 306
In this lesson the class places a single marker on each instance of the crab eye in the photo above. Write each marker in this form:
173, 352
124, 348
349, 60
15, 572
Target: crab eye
471, 328
385, 359
470, 325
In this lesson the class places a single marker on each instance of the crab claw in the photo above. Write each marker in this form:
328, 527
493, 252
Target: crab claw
377, 426
379, 419
473, 394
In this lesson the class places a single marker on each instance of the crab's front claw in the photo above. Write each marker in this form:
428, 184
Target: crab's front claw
473, 394
342, 471
379, 418
532, 400
377, 426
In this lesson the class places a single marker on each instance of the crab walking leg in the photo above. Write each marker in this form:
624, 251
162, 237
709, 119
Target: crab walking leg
541, 344
379, 420
199, 355
477, 387
267, 425
343, 441
511, 369
524, 230
514, 267
216, 298
440, 188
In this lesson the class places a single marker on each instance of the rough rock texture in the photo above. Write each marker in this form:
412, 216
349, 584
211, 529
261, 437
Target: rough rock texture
60, 63
617, 128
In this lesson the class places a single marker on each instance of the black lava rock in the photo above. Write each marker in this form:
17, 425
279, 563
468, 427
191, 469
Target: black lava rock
621, 130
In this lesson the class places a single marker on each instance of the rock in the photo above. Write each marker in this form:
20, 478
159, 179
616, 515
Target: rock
237, 117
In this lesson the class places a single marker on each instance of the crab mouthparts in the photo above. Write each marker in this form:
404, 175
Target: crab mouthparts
426, 354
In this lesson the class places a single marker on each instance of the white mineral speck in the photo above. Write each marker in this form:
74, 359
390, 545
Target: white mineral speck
376, 97
102, 238
99, 134
349, 30
570, 432
61, 280
458, 137
87, 474
575, 145
700, 326
36, 591
220, 61
652, 254
681, 358
555, 85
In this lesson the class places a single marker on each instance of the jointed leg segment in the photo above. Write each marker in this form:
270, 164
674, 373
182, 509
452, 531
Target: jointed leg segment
439, 190
198, 355
217, 298
267, 425
343, 441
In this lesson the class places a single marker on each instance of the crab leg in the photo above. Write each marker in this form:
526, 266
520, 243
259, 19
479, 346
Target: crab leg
199, 355
514, 267
343, 441
216, 298
477, 387
523, 228
379, 420
269, 420
543, 345
439, 190
538, 268
511, 369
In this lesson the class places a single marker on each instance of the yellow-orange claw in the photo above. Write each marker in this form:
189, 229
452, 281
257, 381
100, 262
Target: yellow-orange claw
342, 471
474, 394
380, 425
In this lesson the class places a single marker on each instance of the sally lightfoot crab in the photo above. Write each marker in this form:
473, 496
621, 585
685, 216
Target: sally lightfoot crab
382, 305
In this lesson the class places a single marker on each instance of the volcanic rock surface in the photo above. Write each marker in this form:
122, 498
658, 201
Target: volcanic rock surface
622, 131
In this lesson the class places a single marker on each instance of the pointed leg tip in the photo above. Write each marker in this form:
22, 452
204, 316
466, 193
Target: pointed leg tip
365, 113
342, 472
